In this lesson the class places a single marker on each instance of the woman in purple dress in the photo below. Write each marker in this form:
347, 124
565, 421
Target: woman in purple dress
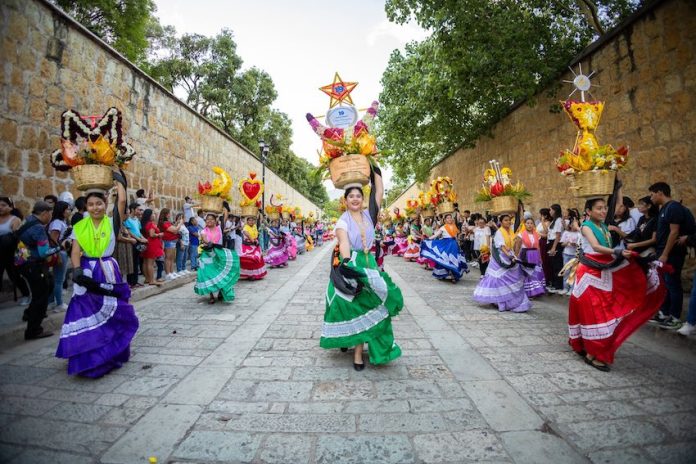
277, 254
99, 322
527, 250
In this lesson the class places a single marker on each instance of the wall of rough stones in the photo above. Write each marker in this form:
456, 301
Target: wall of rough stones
49, 63
647, 76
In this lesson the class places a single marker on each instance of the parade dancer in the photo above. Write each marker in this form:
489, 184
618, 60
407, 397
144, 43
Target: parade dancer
449, 262
503, 283
412, 252
612, 296
277, 254
251, 260
99, 323
360, 300
426, 232
527, 249
218, 267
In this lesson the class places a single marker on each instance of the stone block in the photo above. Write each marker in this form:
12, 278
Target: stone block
218, 446
279, 449
358, 449
283, 391
474, 445
295, 423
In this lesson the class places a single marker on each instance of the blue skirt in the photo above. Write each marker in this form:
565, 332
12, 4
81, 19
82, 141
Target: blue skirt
445, 254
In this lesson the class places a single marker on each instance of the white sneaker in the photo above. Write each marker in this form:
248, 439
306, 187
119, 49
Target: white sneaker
24, 301
169, 277
687, 329
59, 308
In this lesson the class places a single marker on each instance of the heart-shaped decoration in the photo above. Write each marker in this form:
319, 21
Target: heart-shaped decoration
251, 189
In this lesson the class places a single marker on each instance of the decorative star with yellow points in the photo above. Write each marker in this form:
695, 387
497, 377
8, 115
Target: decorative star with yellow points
339, 91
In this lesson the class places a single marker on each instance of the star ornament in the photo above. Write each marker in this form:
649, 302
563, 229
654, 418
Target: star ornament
339, 91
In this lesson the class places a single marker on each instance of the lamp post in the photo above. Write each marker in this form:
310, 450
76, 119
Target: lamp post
263, 152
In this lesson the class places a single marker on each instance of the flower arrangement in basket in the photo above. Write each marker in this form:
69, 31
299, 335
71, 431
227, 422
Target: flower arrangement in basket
499, 189
347, 153
412, 206
398, 215
425, 204
213, 194
297, 213
275, 208
90, 151
589, 166
251, 190
310, 218
442, 194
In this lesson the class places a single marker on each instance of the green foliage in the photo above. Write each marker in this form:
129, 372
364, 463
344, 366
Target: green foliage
123, 24
332, 208
399, 185
483, 56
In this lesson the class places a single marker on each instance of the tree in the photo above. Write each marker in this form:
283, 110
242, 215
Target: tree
332, 208
123, 24
483, 56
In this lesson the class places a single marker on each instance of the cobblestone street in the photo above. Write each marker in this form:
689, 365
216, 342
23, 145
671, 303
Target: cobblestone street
247, 382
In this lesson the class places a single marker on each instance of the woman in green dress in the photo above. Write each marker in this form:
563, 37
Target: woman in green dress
218, 267
360, 300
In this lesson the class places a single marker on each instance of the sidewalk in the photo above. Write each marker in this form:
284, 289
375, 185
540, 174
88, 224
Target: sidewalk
12, 327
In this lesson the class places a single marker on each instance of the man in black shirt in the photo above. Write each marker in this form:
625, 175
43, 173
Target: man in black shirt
674, 220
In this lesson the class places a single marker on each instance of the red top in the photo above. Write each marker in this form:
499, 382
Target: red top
168, 236
155, 246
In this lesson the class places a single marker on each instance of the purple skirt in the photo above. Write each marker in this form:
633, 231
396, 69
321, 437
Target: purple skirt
277, 254
503, 287
534, 280
97, 331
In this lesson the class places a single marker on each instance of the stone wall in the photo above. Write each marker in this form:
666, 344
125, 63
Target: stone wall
49, 63
647, 76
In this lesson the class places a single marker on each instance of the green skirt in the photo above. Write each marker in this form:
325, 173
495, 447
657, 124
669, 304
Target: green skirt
365, 317
218, 271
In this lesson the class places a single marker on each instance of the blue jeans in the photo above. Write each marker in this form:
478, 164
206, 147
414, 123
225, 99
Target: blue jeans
181, 257
675, 293
58, 278
691, 315
159, 262
193, 255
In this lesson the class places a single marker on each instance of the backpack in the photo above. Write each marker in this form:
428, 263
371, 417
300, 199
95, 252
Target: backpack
21, 254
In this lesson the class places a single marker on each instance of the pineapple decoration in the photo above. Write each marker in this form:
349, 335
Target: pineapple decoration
587, 154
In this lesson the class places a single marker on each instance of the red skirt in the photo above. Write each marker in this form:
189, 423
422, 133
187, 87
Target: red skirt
607, 306
251, 263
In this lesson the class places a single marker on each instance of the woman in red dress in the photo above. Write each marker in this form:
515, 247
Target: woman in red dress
155, 247
612, 296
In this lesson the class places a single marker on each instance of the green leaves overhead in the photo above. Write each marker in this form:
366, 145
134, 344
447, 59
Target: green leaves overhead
483, 56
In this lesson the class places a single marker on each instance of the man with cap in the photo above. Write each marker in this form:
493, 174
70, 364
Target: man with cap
35, 270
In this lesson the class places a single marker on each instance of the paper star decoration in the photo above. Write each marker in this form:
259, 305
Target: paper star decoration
339, 91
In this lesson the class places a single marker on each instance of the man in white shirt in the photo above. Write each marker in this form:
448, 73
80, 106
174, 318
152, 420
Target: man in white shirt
188, 208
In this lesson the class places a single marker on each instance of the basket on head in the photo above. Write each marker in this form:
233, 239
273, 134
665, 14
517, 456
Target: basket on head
211, 204
413, 216
504, 204
445, 207
273, 215
92, 176
250, 210
286, 215
349, 169
588, 184
428, 213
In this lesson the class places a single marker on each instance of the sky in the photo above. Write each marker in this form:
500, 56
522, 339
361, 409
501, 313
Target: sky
301, 44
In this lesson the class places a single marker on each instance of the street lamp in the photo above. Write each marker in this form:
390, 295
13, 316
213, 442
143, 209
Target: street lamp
263, 152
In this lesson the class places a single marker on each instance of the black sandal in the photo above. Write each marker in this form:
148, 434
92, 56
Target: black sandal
600, 366
211, 300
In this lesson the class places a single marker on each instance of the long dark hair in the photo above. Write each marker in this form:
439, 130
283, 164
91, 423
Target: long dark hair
59, 211
163, 217
348, 190
557, 214
653, 210
146, 217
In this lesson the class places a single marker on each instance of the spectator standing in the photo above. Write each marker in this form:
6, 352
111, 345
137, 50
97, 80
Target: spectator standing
569, 241
643, 238
51, 200
124, 249
154, 249
182, 248
134, 226
674, 220
9, 223
34, 237
194, 232
188, 208
80, 211
482, 240
170, 236
58, 233
555, 251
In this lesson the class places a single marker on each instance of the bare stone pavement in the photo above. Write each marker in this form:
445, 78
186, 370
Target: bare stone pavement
247, 382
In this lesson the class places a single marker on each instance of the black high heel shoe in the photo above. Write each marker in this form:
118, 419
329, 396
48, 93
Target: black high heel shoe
358, 367
344, 350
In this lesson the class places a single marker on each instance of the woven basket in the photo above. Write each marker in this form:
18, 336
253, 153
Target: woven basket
274, 215
349, 169
413, 216
589, 184
92, 176
286, 215
250, 210
428, 213
504, 204
445, 207
211, 204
